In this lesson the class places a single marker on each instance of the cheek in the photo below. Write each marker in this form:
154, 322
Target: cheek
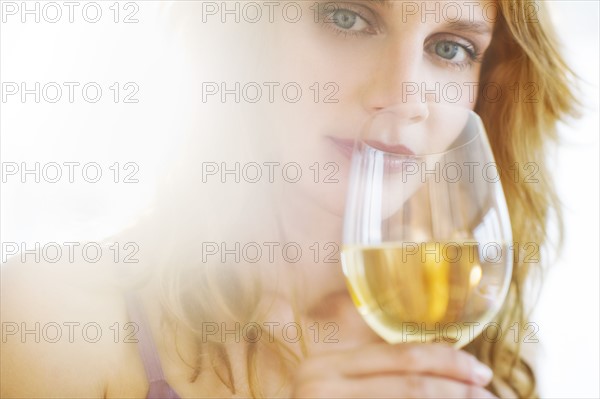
329, 69
470, 87
443, 86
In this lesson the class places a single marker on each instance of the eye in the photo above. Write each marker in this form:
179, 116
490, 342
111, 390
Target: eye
348, 20
450, 50
453, 52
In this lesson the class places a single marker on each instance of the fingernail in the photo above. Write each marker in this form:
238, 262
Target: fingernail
489, 395
483, 394
483, 374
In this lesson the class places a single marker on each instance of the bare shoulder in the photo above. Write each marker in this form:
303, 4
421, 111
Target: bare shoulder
65, 333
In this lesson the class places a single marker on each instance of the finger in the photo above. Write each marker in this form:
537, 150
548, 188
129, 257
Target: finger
396, 386
433, 359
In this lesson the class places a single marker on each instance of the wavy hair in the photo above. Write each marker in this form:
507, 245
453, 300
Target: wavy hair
523, 60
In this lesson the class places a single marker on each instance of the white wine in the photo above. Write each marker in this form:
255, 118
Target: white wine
425, 292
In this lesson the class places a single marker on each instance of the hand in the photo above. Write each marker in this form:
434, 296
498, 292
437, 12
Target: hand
392, 371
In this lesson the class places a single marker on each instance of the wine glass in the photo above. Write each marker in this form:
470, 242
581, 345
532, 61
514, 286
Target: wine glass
426, 248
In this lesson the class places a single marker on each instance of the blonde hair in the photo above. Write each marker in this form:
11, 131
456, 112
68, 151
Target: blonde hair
523, 54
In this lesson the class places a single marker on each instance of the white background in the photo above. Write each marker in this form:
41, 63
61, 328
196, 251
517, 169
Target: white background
568, 310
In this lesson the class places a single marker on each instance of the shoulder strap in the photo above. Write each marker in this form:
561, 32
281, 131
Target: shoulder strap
148, 352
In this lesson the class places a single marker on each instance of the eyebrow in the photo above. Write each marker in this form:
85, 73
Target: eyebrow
386, 3
477, 27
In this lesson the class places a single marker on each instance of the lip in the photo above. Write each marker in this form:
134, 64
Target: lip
393, 149
345, 146
394, 162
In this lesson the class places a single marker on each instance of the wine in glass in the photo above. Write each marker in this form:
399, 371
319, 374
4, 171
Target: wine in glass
427, 239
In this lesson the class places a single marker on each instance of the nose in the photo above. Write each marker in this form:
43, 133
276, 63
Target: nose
404, 114
396, 72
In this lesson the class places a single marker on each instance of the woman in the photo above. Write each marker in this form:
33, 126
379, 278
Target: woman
225, 325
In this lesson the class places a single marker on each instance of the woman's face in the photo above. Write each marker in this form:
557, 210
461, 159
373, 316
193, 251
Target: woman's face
352, 59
